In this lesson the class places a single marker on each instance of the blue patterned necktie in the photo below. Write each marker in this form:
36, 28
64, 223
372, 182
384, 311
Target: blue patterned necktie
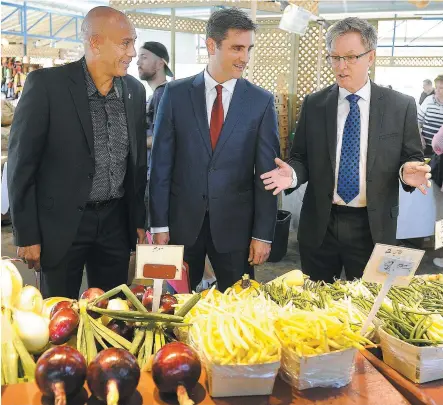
349, 171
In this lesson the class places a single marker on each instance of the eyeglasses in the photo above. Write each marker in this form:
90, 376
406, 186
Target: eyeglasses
349, 59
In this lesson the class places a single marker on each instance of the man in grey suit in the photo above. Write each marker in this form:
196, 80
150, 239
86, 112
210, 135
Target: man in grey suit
215, 133
354, 141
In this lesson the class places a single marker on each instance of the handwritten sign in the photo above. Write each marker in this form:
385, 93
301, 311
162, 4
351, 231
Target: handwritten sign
158, 262
389, 265
439, 234
159, 254
392, 260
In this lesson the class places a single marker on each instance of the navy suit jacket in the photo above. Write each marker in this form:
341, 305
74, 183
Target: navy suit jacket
188, 179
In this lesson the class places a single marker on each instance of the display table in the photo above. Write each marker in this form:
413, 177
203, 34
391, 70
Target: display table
368, 387
430, 393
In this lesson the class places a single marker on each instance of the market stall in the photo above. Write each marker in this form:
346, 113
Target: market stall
288, 341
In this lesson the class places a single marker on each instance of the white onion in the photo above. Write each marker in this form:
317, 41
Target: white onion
11, 283
30, 300
116, 304
32, 329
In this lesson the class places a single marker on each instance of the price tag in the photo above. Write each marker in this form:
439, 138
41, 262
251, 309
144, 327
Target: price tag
439, 234
389, 265
400, 262
158, 262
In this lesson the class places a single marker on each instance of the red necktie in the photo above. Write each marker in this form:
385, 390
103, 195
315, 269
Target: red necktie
217, 117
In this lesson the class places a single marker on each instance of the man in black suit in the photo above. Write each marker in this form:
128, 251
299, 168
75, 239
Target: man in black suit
353, 142
214, 134
77, 162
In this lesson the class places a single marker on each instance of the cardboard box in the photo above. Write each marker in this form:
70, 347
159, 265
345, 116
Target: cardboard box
333, 369
419, 364
233, 381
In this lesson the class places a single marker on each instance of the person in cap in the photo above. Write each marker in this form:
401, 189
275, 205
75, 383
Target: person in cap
153, 60
215, 133
77, 162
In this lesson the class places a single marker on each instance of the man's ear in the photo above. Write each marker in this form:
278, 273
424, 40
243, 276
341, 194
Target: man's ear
211, 45
95, 42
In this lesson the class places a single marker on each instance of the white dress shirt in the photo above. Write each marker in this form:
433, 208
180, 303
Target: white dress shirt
343, 108
342, 113
211, 95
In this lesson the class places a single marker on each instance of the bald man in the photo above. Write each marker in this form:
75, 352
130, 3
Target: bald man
77, 163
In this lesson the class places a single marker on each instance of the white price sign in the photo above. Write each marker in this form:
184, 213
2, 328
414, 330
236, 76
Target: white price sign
389, 265
439, 234
399, 262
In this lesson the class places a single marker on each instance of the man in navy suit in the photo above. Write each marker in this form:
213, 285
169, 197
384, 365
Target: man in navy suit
215, 133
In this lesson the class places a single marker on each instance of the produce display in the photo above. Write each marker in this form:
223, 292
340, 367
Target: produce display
311, 333
234, 328
107, 339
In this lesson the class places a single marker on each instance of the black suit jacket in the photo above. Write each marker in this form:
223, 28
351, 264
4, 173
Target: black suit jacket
393, 139
51, 159
188, 178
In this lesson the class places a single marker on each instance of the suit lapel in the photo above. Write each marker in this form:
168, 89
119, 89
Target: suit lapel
80, 97
331, 123
128, 96
376, 108
198, 98
234, 113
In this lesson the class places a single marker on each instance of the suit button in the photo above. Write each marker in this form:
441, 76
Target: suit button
204, 197
90, 176
80, 208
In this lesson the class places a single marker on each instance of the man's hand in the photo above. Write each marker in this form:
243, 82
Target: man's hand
141, 236
258, 252
161, 238
417, 174
278, 179
30, 255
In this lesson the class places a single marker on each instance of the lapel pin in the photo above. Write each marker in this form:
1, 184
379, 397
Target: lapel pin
129, 96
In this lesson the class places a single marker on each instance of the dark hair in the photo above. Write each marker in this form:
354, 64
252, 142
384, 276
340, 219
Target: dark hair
439, 78
428, 82
225, 19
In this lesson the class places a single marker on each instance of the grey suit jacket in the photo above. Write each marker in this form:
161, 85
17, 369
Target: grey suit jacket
393, 139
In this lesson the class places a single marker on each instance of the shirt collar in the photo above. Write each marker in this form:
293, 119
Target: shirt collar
210, 83
364, 92
92, 88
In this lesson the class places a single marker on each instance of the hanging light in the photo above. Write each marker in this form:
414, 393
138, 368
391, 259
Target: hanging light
295, 19
5, 42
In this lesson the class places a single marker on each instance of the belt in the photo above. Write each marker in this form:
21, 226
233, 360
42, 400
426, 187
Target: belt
98, 205
347, 209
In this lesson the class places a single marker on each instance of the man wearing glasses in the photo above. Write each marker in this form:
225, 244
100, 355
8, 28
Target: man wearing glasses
354, 141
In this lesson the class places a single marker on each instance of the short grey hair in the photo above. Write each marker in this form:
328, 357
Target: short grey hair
367, 32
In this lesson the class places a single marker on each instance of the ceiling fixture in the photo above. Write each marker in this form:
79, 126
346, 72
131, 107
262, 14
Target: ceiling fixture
5, 42
296, 19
